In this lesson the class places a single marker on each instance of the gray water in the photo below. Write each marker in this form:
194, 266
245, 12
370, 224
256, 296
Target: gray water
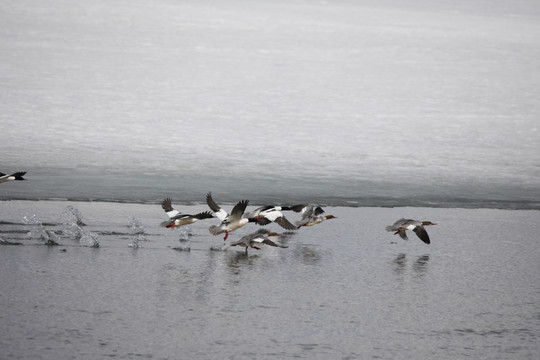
393, 103
381, 109
344, 289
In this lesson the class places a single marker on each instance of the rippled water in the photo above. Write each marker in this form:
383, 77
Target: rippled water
343, 289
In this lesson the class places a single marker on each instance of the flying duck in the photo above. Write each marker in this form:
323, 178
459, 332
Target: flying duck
401, 225
264, 215
228, 222
311, 215
14, 176
178, 219
259, 237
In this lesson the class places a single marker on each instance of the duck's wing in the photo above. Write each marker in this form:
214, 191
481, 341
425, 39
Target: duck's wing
268, 242
422, 234
303, 221
263, 221
216, 230
211, 203
403, 234
166, 204
16, 176
204, 215
218, 211
254, 213
299, 208
276, 216
401, 222
284, 223
238, 210
179, 216
318, 211
398, 224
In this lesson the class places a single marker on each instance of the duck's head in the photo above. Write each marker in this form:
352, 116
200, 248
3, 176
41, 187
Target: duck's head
272, 234
330, 217
428, 223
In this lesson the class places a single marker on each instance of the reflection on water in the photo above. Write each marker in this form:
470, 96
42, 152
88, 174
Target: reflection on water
399, 264
327, 296
308, 254
419, 266
237, 260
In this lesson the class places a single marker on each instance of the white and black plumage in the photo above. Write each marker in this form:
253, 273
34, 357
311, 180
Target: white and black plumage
311, 215
400, 226
228, 222
15, 176
257, 238
265, 215
178, 219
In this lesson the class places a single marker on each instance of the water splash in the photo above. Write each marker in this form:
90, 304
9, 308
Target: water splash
72, 228
138, 231
135, 226
39, 231
70, 223
219, 247
90, 240
73, 215
185, 234
36, 224
49, 237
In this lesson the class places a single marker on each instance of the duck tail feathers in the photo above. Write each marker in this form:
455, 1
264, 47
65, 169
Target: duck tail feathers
215, 230
167, 224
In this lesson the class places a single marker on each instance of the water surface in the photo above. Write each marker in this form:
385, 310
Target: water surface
343, 289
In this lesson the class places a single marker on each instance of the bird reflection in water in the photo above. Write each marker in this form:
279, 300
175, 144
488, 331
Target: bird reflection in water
308, 254
420, 265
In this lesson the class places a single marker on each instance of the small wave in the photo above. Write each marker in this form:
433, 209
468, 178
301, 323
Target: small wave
7, 242
182, 248
218, 248
496, 333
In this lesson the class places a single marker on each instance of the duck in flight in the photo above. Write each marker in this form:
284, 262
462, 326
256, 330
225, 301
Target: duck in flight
257, 238
10, 177
400, 226
178, 219
229, 222
265, 215
311, 215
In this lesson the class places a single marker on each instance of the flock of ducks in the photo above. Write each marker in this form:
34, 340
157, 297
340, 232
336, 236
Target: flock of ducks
238, 217
264, 215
